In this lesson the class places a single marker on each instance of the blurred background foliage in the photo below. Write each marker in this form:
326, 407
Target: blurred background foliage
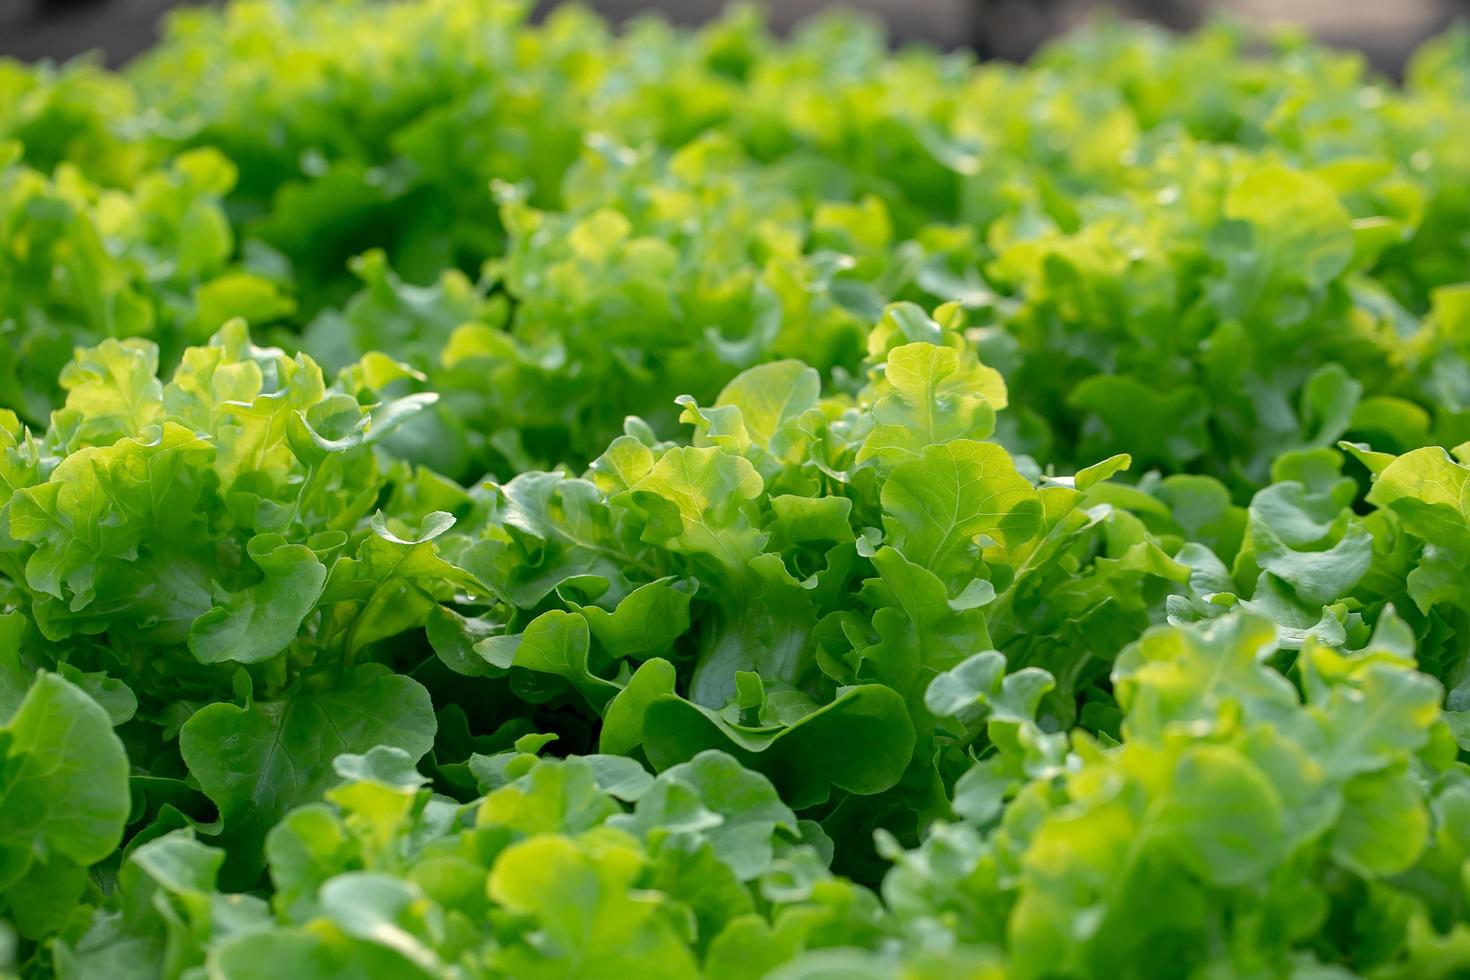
1385, 31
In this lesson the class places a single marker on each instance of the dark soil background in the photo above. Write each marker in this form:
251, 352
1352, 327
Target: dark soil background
1387, 30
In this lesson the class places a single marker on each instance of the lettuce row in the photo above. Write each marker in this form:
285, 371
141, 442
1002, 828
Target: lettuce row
854, 601
1264, 252
1274, 810
1106, 621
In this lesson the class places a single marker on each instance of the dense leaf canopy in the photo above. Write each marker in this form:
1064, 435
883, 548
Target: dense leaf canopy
488, 499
